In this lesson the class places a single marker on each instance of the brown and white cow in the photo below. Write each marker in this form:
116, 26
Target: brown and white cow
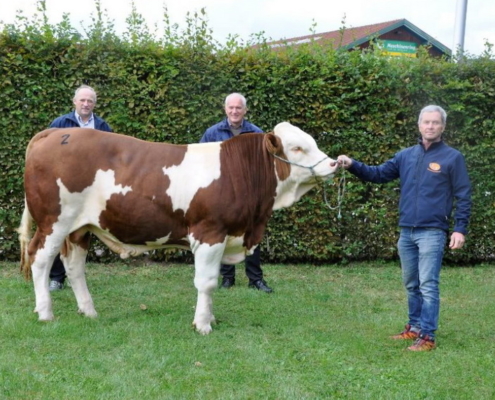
212, 198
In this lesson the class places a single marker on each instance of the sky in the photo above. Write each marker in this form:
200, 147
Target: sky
282, 19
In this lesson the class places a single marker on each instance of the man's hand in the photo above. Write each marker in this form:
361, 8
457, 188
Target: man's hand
457, 240
344, 161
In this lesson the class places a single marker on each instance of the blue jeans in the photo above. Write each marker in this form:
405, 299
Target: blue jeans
421, 253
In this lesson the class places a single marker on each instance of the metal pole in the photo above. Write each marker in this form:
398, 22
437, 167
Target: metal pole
460, 27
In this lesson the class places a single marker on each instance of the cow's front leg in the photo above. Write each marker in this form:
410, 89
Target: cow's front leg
207, 268
203, 318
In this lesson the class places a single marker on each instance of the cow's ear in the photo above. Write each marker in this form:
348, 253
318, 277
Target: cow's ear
273, 143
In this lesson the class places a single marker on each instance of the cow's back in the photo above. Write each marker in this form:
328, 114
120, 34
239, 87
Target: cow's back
119, 177
75, 154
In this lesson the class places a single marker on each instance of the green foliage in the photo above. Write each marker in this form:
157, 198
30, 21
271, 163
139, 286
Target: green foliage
171, 88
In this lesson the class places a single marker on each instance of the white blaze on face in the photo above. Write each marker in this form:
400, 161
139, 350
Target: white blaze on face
200, 167
92, 200
301, 149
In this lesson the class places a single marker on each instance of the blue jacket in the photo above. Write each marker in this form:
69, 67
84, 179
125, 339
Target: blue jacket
429, 182
70, 121
221, 131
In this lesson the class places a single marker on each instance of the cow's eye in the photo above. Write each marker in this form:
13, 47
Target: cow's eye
297, 148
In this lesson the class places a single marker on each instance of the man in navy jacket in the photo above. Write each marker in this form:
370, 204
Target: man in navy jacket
84, 102
233, 125
432, 177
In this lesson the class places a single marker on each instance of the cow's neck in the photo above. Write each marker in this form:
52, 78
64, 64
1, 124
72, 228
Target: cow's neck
289, 192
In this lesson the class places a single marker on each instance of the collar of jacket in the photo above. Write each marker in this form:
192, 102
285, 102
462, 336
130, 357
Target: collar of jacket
244, 128
432, 146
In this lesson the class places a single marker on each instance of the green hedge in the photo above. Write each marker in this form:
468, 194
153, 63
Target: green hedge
171, 89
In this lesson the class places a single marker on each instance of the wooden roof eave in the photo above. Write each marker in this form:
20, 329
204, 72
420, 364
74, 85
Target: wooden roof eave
399, 24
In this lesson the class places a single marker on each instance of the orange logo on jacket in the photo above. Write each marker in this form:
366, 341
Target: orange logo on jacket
434, 167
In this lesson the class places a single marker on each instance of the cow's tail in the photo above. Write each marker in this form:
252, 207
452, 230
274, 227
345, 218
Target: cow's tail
25, 231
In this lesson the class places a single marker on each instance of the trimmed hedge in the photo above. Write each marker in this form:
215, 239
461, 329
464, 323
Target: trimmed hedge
171, 89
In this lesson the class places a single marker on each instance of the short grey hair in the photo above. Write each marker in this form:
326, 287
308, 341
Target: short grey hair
230, 96
434, 108
84, 87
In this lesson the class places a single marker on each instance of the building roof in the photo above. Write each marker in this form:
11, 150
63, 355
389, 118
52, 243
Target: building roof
349, 38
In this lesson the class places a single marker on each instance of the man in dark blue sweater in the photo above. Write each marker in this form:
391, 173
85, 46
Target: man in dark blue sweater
432, 177
233, 125
82, 116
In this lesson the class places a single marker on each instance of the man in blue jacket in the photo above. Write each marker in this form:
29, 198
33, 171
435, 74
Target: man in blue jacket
432, 176
82, 116
233, 125
84, 102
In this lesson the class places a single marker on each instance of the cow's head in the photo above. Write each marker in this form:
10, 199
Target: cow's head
305, 164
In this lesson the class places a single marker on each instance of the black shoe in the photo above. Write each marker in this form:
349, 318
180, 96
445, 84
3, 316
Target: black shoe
227, 283
260, 285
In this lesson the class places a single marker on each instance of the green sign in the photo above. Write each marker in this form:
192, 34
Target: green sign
397, 48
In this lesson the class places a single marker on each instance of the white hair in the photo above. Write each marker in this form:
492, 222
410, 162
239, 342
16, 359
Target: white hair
232, 95
85, 87
434, 108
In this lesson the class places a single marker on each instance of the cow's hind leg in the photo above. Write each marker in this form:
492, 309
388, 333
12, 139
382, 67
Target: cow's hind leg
74, 258
42, 252
207, 268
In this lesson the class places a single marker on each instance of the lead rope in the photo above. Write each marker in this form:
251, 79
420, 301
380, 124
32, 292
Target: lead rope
341, 185
340, 194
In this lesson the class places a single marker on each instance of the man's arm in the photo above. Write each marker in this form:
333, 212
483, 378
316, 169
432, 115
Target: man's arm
64, 121
56, 123
105, 127
383, 173
462, 195
205, 137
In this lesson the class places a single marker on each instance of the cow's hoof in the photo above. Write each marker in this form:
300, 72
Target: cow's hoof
44, 315
203, 329
47, 317
88, 313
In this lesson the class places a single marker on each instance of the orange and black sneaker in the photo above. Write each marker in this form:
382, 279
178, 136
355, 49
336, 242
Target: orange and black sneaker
422, 343
406, 334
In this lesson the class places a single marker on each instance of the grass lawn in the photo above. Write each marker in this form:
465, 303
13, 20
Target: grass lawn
323, 334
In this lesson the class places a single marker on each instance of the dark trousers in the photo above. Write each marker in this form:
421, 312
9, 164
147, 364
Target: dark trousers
252, 264
57, 273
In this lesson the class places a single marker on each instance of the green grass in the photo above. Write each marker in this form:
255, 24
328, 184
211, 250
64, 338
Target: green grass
323, 334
